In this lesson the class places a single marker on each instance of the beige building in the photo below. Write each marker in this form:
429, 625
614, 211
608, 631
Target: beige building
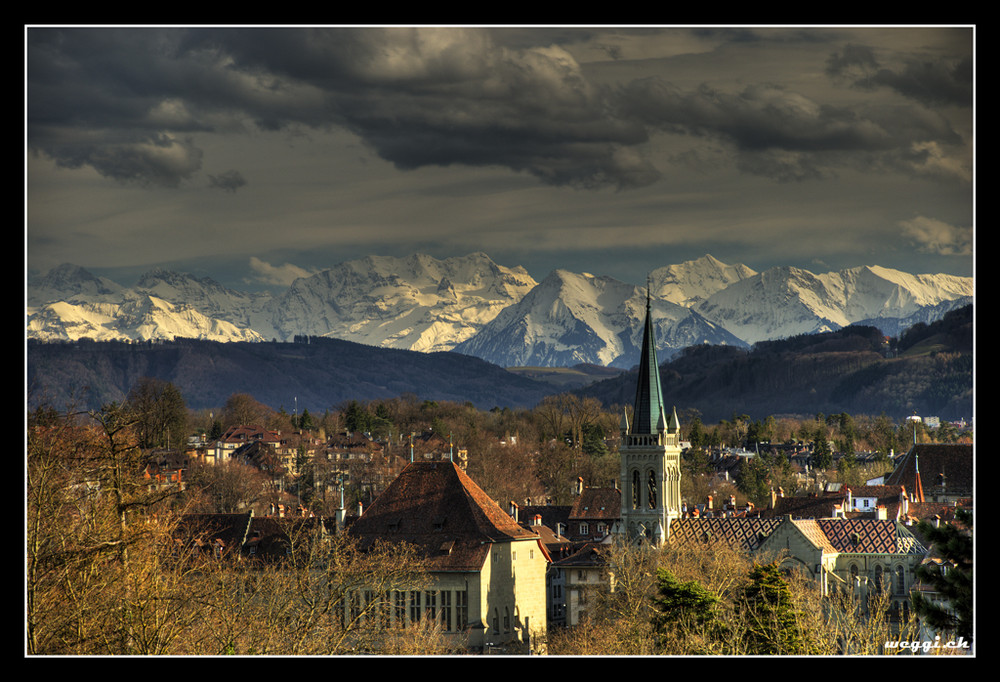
488, 572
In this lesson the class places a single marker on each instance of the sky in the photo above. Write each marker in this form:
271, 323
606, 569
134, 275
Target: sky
254, 155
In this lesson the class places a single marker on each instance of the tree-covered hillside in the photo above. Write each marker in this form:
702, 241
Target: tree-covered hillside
320, 373
927, 371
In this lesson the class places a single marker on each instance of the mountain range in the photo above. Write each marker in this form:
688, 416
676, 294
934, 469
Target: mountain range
472, 305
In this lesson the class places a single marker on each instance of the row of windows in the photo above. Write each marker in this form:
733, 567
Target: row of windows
879, 574
449, 607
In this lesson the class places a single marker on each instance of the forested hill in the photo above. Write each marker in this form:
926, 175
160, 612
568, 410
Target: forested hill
319, 374
927, 371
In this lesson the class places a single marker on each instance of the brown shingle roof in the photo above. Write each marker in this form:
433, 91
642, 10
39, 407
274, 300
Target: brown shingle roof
948, 463
438, 508
597, 503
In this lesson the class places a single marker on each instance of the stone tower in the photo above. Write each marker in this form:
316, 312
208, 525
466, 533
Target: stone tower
650, 453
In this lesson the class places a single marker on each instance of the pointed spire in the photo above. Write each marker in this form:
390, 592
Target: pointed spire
648, 395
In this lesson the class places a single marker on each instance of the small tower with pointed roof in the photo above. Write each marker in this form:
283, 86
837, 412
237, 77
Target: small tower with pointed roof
650, 452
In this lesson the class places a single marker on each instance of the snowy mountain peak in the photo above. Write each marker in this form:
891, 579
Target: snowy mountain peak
475, 306
693, 281
69, 282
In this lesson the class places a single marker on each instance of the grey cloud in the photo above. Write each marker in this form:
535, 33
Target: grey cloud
931, 82
230, 181
783, 134
424, 97
944, 80
417, 97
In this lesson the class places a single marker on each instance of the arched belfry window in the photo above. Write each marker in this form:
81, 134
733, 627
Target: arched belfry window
652, 489
636, 489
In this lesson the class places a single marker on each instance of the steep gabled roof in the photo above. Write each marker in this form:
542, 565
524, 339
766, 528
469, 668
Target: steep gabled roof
597, 504
438, 508
950, 464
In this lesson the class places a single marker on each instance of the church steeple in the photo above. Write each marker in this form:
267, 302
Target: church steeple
650, 451
647, 415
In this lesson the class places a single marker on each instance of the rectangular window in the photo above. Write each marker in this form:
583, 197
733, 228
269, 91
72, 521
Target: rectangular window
446, 610
400, 607
461, 609
414, 606
430, 604
355, 606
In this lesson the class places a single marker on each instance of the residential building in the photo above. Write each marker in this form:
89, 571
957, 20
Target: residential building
488, 572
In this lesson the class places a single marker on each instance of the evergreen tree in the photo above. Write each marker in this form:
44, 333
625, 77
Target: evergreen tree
770, 623
682, 606
753, 480
822, 453
952, 580
696, 433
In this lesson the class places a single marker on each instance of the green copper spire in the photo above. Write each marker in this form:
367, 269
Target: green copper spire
648, 417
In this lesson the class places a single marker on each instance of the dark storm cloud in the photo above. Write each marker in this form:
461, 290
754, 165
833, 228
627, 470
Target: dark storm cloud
783, 134
417, 97
939, 80
132, 103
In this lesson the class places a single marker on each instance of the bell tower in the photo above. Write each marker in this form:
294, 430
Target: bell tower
650, 452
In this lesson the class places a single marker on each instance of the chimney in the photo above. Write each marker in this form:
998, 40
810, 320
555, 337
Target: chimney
514, 511
579, 485
709, 502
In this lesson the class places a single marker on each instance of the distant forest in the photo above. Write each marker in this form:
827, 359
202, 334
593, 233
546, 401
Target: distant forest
316, 372
927, 370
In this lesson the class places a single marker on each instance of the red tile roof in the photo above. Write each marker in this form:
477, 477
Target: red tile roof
438, 508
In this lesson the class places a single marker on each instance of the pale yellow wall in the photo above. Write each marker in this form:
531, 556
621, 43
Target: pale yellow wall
580, 583
512, 592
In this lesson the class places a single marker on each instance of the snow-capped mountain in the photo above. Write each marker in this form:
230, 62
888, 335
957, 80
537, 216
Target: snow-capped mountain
693, 281
69, 303
574, 318
474, 306
787, 301
204, 295
415, 303
70, 283
136, 317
